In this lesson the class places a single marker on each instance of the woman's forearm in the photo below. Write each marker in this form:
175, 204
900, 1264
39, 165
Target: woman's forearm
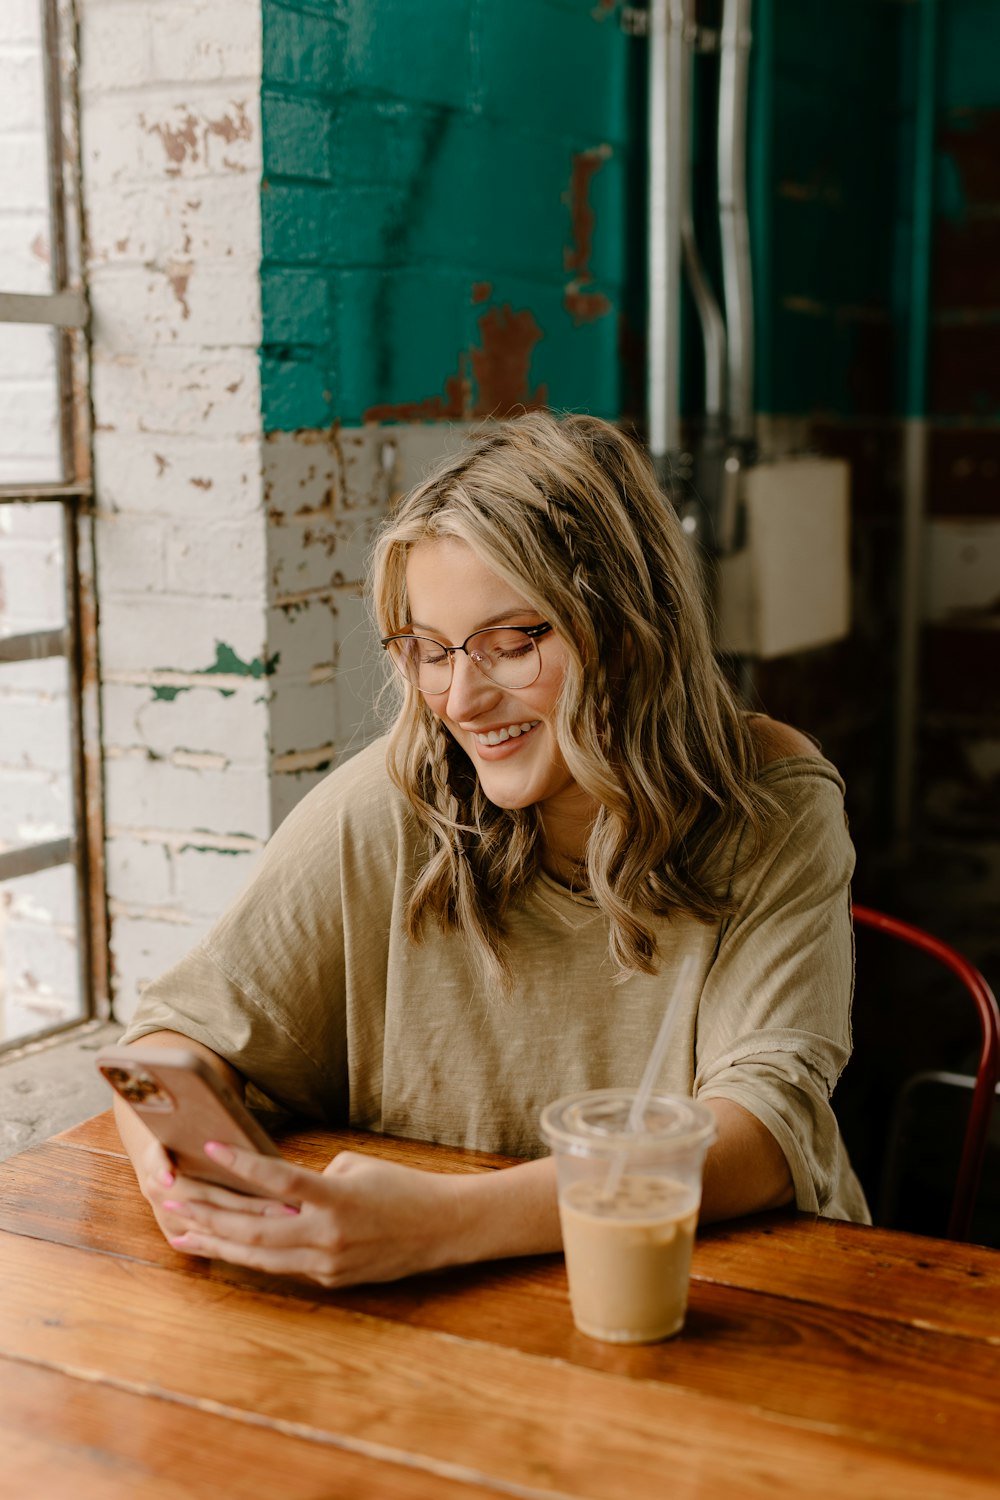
745, 1171
515, 1211
510, 1212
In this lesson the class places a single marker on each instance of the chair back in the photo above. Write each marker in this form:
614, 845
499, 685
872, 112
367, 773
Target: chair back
987, 1072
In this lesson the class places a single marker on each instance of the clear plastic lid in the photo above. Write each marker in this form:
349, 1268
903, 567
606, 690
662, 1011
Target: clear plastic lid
597, 1122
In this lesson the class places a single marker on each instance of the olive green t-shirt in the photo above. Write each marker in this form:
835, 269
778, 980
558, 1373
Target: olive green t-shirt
310, 987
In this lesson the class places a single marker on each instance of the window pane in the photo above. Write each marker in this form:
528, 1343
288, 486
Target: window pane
39, 963
25, 233
32, 569
29, 404
39, 974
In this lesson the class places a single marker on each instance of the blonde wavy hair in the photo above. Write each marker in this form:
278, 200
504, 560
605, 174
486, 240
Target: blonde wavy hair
568, 512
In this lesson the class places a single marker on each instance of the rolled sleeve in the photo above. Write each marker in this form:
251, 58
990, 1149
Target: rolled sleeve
774, 1023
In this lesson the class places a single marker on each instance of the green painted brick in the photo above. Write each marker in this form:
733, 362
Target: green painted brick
555, 71
298, 137
295, 392
303, 50
404, 331
448, 331
387, 140
296, 306
412, 49
405, 168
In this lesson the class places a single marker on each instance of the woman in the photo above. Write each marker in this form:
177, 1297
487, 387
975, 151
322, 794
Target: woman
489, 909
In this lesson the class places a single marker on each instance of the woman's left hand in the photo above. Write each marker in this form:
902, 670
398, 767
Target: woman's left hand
361, 1219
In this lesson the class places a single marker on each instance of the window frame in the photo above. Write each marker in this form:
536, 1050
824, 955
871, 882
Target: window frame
65, 309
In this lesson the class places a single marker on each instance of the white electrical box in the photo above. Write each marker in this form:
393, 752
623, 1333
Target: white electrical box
789, 586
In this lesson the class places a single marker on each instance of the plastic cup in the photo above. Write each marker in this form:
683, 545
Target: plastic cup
628, 1205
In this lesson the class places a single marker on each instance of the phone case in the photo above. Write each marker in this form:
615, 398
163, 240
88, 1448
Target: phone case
184, 1102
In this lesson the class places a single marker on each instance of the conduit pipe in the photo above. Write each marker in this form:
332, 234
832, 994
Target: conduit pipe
734, 57
668, 134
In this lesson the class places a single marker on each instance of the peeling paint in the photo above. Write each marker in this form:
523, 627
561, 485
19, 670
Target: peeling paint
482, 291
186, 141
174, 681
583, 306
178, 276
161, 464
166, 914
178, 843
230, 128
501, 368
292, 603
178, 141
198, 760
201, 484
318, 759
452, 407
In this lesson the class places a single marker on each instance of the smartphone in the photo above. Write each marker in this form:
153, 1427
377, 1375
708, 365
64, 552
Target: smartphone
184, 1102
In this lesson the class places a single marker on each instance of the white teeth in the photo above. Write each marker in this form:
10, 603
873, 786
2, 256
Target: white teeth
510, 732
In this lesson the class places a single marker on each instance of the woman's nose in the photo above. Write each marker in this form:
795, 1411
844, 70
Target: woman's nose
471, 690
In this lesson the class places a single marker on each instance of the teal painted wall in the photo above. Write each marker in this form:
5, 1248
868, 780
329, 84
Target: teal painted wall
448, 192
964, 334
823, 188
834, 171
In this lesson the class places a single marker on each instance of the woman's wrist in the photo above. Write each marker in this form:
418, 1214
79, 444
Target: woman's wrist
493, 1215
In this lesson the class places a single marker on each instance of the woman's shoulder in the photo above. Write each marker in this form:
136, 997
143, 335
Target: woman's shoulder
805, 834
776, 741
801, 782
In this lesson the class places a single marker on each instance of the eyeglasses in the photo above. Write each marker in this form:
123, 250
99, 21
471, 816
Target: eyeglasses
508, 655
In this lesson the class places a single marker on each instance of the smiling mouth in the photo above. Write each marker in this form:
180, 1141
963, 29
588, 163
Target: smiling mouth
509, 732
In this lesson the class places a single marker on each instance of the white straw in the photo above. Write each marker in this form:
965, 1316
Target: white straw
637, 1114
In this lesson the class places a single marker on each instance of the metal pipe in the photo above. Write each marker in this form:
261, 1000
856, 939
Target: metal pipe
667, 152
915, 428
734, 49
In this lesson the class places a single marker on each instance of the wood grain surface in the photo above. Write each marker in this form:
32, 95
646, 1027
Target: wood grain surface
818, 1358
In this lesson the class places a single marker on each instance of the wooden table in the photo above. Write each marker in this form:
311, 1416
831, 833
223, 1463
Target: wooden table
819, 1359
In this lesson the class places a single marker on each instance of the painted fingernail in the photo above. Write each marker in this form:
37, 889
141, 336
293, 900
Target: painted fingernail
178, 1241
289, 1208
167, 1177
169, 1203
218, 1152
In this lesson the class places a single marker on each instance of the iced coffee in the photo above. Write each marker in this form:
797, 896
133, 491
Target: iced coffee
628, 1204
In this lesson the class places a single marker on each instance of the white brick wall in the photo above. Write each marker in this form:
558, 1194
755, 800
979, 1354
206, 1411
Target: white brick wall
39, 982
237, 659
171, 164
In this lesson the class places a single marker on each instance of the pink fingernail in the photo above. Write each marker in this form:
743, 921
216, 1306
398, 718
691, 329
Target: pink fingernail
178, 1241
169, 1203
289, 1209
167, 1177
218, 1152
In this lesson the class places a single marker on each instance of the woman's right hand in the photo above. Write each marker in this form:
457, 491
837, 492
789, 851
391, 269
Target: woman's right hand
159, 1182
168, 1192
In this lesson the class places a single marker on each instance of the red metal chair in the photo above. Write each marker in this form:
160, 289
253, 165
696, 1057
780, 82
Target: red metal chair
984, 1085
